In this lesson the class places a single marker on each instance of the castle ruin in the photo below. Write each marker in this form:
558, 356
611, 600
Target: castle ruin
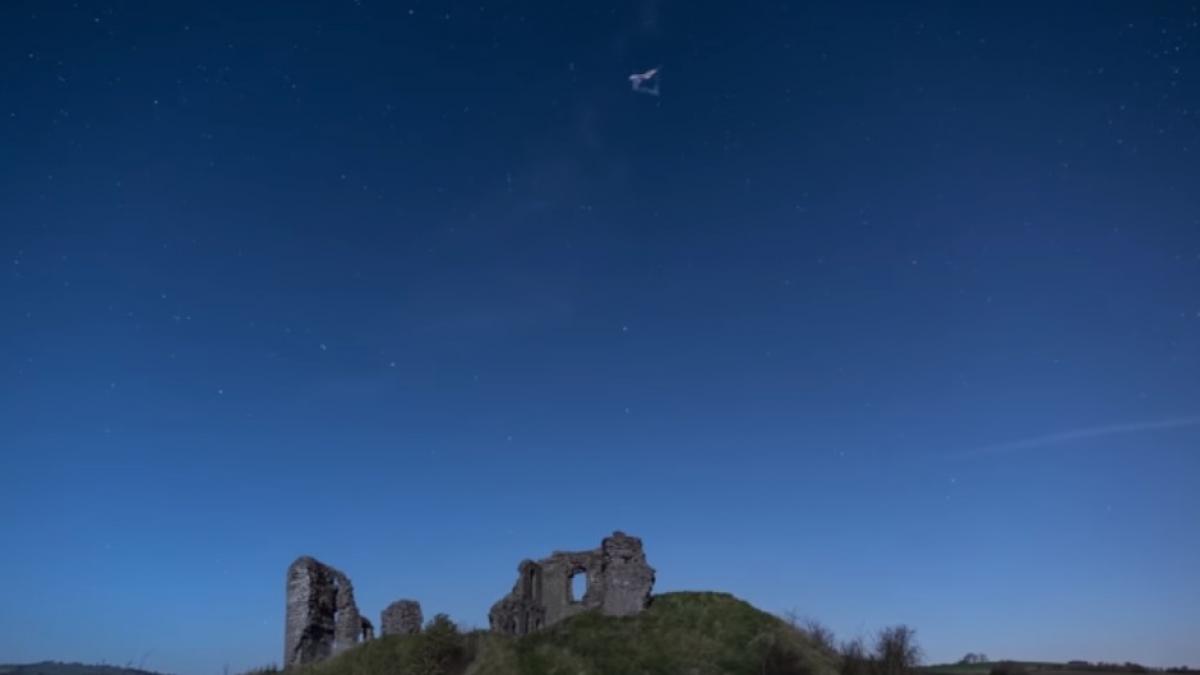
619, 582
402, 617
322, 618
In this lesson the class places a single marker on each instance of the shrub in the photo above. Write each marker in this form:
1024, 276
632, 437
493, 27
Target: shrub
442, 648
854, 659
820, 635
896, 651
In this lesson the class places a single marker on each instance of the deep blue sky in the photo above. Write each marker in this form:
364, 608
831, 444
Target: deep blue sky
886, 314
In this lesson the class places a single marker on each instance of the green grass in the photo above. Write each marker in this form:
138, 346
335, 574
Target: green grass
439, 650
680, 634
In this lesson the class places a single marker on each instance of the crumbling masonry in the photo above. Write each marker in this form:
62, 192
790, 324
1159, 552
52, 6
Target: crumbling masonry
402, 617
322, 619
619, 582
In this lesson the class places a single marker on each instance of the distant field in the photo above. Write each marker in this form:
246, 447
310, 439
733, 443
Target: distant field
1043, 667
959, 668
56, 668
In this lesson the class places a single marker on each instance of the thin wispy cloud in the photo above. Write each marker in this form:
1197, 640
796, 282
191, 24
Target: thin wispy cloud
1073, 435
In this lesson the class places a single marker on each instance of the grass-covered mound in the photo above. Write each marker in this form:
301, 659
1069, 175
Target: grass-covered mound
438, 650
680, 634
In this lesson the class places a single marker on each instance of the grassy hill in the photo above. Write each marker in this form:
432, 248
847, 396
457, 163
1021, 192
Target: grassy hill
680, 634
56, 668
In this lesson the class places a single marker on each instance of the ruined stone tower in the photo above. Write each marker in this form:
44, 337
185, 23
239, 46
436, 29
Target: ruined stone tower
619, 581
402, 617
322, 618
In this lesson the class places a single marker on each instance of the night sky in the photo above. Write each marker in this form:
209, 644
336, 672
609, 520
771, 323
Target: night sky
885, 313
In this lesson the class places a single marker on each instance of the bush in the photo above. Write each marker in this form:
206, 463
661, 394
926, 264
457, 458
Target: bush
896, 651
855, 660
820, 635
816, 632
442, 650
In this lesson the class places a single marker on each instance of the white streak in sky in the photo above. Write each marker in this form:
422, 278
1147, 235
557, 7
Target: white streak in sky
1062, 437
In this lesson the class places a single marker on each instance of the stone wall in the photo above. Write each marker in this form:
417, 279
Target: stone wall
322, 618
619, 582
402, 617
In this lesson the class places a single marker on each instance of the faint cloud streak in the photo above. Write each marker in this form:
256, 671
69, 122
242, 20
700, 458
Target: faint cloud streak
1071, 435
